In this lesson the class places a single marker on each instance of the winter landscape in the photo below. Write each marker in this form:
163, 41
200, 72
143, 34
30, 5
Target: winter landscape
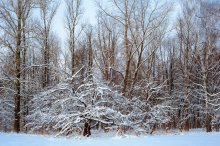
109, 72
186, 139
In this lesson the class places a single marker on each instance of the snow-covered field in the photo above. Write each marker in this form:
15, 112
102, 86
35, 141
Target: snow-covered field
183, 139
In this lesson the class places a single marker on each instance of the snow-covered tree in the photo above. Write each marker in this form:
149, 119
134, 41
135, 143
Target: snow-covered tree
65, 108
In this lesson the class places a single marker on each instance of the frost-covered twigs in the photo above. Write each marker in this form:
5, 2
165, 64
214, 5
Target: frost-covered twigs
65, 108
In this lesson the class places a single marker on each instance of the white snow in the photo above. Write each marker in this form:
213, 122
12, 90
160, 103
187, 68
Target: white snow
181, 139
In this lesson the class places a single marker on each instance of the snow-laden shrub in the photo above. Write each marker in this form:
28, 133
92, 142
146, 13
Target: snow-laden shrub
64, 109
151, 106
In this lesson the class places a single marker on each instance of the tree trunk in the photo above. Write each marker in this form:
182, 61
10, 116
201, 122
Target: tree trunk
73, 50
127, 51
46, 59
86, 129
208, 123
17, 96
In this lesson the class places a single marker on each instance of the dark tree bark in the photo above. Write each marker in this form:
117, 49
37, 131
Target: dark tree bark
17, 96
86, 130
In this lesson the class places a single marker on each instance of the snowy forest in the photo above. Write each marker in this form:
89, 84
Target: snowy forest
145, 65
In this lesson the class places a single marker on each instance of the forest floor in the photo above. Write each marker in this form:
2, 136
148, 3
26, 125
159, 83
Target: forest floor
193, 138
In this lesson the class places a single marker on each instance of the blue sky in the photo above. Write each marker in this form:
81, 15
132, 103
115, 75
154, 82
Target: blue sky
59, 20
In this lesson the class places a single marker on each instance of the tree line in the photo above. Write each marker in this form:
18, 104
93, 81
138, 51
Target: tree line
142, 66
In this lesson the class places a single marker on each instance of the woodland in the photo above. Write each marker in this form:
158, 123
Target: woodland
145, 65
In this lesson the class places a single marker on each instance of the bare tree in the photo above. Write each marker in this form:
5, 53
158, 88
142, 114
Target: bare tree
14, 15
106, 47
137, 17
73, 14
125, 10
48, 10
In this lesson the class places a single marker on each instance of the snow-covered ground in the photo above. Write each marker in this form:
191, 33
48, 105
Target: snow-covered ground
181, 139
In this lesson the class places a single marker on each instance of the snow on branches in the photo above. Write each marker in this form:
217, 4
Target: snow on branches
64, 109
